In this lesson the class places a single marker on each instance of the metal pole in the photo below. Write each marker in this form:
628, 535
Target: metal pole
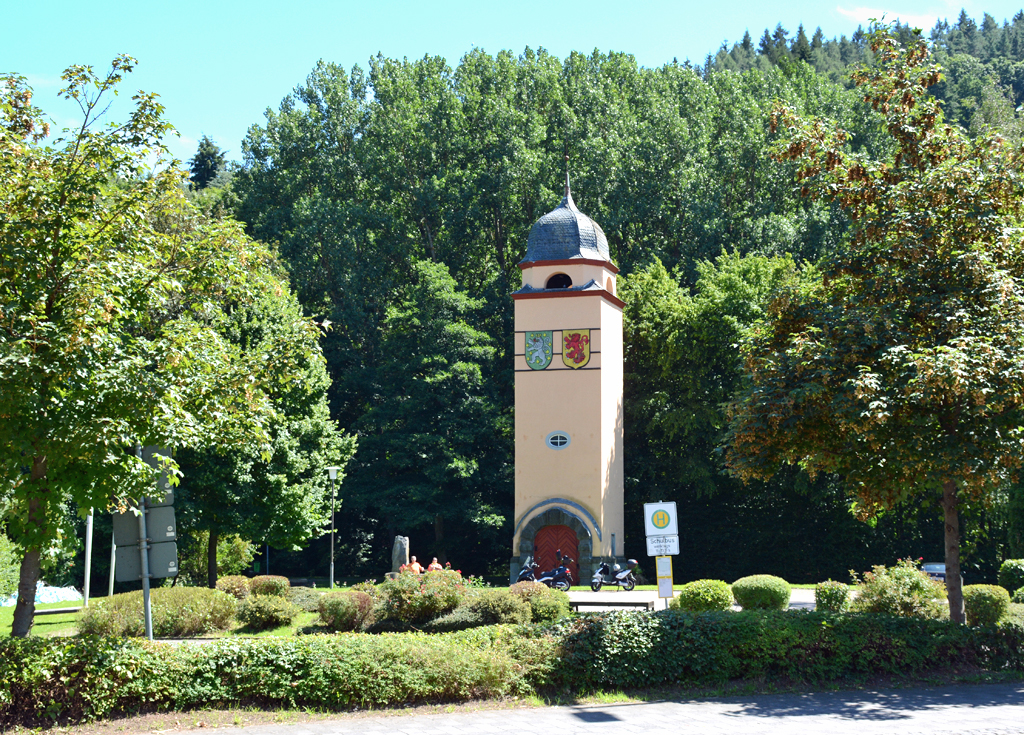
88, 556
332, 533
144, 556
113, 563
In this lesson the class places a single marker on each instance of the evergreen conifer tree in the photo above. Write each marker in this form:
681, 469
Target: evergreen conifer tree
206, 163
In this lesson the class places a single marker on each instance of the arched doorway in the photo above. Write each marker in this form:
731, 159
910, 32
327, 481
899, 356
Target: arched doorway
551, 538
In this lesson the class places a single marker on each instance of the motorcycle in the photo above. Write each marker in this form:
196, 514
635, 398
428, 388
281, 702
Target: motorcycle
614, 576
560, 577
529, 571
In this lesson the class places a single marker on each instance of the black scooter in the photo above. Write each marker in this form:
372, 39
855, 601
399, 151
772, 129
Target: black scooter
529, 571
606, 576
560, 577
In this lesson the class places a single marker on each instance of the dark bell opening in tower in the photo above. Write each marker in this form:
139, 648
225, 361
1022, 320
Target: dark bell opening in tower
559, 280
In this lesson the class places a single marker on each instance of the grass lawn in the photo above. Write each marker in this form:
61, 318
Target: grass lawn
44, 624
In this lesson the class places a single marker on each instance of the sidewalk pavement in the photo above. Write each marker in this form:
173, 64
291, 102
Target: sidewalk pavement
989, 709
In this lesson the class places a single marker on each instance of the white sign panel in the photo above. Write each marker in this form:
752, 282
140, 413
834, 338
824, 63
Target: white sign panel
665, 587
660, 519
663, 565
662, 545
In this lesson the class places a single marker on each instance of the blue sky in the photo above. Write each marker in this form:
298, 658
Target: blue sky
219, 64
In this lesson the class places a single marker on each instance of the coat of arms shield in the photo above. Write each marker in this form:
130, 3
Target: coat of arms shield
575, 347
539, 349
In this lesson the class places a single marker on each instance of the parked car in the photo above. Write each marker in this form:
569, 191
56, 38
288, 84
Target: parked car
937, 570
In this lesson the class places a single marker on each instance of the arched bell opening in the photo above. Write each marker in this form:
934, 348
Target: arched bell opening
559, 280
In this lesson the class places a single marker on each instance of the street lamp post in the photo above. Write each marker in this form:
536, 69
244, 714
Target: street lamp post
333, 474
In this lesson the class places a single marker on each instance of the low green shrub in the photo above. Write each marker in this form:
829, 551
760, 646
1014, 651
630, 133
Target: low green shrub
831, 597
761, 592
546, 604
269, 584
1011, 574
638, 649
307, 598
461, 618
985, 604
235, 585
261, 612
903, 590
345, 610
1018, 596
499, 606
703, 595
417, 598
47, 680
178, 612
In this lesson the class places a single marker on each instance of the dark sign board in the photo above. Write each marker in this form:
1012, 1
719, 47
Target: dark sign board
163, 562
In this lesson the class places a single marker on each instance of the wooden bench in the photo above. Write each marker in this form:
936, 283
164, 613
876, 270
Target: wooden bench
637, 604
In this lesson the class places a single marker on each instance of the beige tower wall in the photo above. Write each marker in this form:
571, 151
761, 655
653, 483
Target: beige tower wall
585, 403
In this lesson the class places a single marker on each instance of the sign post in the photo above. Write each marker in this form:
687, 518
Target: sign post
662, 527
150, 527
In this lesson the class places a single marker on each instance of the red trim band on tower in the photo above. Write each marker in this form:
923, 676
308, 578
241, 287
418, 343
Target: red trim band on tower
563, 294
570, 261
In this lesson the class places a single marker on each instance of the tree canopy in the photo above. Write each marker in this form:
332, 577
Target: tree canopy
111, 288
902, 368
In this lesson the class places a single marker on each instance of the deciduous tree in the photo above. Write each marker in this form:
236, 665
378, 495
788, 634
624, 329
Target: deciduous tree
903, 368
110, 294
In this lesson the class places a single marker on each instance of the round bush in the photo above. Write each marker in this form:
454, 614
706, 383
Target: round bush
345, 610
178, 612
235, 585
546, 604
1011, 574
902, 590
761, 592
703, 595
269, 584
1018, 597
831, 597
501, 606
261, 612
417, 598
985, 604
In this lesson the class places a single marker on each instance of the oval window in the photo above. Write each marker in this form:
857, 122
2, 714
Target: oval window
557, 440
559, 280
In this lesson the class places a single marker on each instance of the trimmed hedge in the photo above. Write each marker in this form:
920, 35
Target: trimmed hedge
546, 604
177, 612
269, 584
762, 592
985, 604
636, 649
1011, 574
235, 585
262, 612
831, 597
345, 610
43, 680
48, 680
703, 595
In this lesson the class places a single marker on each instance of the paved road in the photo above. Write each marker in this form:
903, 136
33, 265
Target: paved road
799, 599
992, 709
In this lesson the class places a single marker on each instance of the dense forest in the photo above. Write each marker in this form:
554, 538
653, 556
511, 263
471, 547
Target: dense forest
400, 198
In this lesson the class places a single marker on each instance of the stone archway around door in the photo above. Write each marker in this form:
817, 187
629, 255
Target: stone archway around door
557, 517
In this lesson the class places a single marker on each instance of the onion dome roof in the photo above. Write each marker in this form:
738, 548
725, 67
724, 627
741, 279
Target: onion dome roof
565, 233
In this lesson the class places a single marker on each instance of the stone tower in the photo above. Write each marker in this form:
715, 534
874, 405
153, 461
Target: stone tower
568, 378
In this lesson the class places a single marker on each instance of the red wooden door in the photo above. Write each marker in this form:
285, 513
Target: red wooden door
551, 538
